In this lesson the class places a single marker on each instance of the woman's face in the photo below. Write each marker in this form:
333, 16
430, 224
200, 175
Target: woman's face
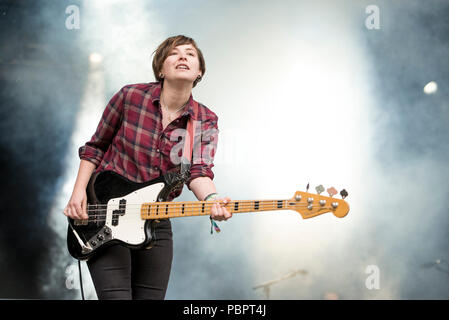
182, 63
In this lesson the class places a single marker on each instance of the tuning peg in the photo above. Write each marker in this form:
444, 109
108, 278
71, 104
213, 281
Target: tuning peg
307, 188
343, 193
319, 189
332, 191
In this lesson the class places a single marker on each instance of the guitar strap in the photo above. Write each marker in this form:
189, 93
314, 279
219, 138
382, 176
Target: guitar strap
187, 152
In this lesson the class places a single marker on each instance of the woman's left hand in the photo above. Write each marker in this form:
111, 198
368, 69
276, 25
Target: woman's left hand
219, 212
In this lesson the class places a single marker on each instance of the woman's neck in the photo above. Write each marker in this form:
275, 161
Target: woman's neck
175, 95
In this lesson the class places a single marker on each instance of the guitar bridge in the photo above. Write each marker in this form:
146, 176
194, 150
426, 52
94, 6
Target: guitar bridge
81, 222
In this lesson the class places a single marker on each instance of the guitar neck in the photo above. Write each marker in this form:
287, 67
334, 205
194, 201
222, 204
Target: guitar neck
162, 210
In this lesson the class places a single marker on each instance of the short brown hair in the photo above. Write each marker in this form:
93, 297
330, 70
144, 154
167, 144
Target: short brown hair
165, 48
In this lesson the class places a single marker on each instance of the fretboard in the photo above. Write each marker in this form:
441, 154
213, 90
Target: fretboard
161, 210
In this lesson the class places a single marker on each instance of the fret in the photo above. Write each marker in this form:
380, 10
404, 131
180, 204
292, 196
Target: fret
256, 205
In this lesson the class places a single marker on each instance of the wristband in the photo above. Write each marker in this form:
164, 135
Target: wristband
211, 196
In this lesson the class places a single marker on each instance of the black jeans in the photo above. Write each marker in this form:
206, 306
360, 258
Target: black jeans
122, 273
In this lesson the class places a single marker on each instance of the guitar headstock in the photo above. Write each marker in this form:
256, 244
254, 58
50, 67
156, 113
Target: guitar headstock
311, 205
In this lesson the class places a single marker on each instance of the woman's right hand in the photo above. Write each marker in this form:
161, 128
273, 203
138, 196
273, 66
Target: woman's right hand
76, 207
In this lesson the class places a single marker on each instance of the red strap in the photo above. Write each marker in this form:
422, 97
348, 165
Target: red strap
190, 136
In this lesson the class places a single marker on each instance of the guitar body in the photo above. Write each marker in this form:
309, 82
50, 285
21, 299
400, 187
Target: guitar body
114, 204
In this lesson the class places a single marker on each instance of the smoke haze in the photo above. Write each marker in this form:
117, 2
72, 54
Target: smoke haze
305, 93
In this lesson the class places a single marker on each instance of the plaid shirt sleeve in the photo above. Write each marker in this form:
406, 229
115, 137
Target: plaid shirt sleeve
95, 149
203, 156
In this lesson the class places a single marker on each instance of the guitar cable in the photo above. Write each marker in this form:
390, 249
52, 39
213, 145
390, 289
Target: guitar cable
81, 279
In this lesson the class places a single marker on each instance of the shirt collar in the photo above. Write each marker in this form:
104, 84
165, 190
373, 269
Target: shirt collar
155, 93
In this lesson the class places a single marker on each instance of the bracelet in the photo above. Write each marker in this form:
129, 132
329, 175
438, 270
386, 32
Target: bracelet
213, 225
211, 196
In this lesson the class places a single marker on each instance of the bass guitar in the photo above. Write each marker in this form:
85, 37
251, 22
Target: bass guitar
124, 212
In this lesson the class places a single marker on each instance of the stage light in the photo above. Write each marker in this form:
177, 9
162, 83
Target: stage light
95, 58
430, 88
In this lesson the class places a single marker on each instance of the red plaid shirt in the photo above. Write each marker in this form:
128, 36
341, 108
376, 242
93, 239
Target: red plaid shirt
130, 141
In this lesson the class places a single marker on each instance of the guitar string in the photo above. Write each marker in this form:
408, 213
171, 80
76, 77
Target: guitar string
189, 202
200, 206
94, 207
193, 202
192, 206
174, 214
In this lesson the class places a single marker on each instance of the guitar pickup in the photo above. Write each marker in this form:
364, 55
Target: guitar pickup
117, 213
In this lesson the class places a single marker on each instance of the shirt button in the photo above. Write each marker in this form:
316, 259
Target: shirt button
158, 150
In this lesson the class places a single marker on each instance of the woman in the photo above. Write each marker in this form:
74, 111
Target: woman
133, 139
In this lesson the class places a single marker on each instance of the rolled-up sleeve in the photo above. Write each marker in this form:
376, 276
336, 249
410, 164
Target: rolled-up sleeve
96, 147
204, 152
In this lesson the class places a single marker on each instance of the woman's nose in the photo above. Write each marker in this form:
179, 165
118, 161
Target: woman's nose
183, 55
